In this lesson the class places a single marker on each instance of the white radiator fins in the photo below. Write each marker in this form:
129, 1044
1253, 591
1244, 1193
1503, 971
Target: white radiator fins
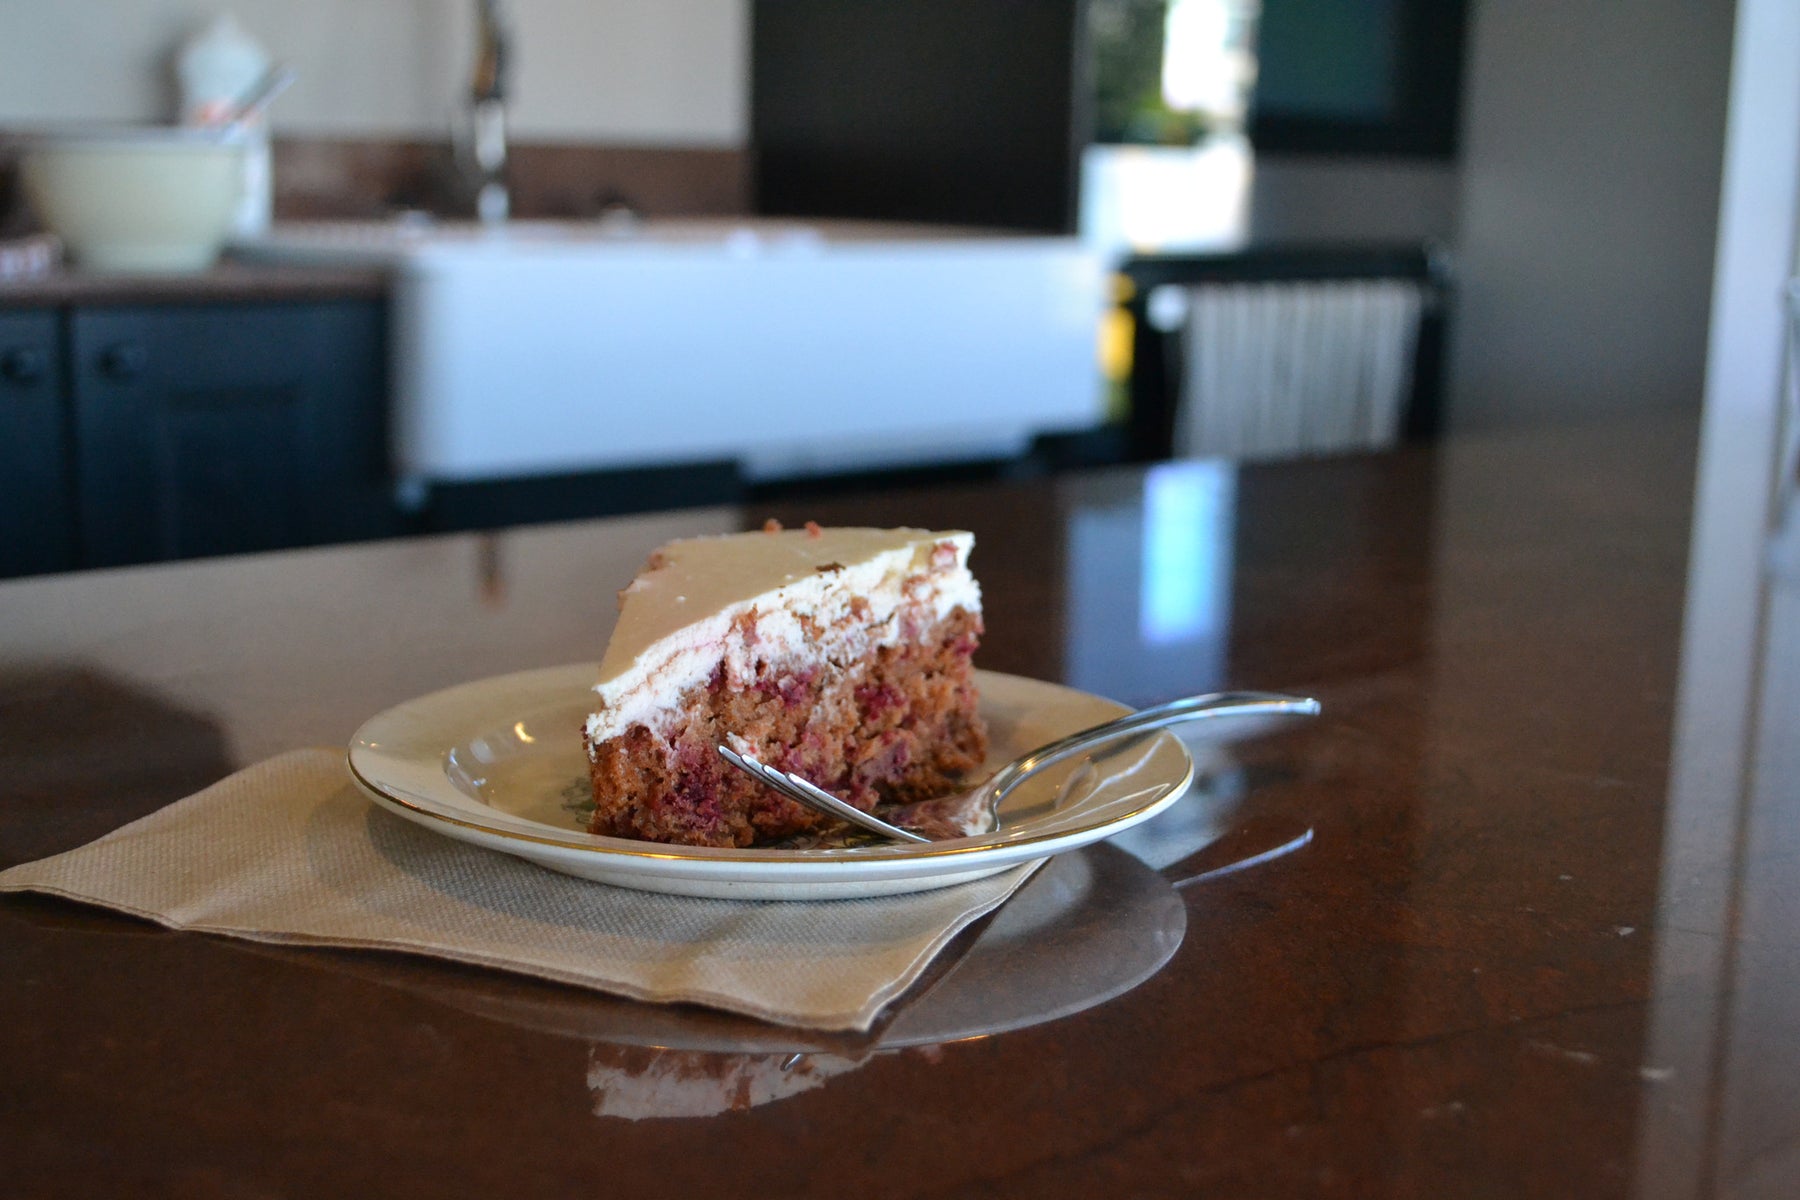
1277, 370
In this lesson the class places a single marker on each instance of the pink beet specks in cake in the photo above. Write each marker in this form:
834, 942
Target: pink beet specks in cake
842, 654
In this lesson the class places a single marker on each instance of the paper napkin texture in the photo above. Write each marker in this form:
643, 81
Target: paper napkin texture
288, 851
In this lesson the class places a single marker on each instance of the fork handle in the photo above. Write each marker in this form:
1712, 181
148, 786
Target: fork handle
1188, 708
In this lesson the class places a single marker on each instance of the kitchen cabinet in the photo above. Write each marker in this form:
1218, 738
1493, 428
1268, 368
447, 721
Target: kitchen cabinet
214, 430
977, 112
961, 112
181, 430
37, 501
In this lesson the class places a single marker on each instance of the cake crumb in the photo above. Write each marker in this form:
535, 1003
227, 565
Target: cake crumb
771, 526
829, 567
813, 530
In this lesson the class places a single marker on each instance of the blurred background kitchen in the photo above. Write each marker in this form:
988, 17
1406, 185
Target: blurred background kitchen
528, 260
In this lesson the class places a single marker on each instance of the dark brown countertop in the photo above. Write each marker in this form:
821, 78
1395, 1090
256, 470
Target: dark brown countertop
1530, 944
228, 281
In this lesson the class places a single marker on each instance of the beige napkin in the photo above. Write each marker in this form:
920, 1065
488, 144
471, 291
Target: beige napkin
289, 851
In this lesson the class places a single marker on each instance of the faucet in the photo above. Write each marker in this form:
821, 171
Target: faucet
487, 113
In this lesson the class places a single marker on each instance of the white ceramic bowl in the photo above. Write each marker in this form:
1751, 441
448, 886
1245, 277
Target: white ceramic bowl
136, 198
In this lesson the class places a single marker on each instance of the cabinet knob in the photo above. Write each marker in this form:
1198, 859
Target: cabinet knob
123, 361
23, 364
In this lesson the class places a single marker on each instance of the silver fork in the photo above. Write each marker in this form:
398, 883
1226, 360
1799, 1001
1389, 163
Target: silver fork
984, 799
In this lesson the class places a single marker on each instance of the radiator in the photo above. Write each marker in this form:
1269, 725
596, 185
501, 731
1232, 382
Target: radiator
1281, 370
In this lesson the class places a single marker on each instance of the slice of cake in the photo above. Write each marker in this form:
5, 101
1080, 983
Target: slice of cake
839, 654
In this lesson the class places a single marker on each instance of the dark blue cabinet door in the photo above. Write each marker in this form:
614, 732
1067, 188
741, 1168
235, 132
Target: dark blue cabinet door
222, 429
37, 504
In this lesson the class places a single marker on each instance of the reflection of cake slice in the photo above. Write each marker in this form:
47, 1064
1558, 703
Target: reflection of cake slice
839, 654
636, 1082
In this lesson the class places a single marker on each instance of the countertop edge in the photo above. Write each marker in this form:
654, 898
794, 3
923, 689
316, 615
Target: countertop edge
228, 281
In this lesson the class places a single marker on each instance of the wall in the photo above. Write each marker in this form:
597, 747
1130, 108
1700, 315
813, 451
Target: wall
620, 71
1580, 214
1593, 134
1352, 199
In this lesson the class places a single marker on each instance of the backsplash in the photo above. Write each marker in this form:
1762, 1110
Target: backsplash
322, 178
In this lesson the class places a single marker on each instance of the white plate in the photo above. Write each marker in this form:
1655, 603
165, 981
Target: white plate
499, 763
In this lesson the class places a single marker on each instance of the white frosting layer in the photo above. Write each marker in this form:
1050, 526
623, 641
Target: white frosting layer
681, 618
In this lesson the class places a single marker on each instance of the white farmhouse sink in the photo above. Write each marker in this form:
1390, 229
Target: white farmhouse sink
794, 348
